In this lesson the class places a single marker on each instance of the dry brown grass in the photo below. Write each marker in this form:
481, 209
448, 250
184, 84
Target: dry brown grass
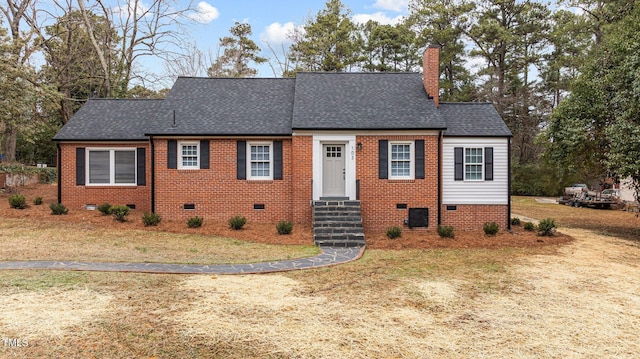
612, 222
24, 239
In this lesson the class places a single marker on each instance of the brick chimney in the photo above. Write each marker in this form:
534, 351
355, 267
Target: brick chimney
431, 71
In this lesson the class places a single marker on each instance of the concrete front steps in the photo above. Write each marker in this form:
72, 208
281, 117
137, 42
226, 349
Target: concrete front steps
337, 223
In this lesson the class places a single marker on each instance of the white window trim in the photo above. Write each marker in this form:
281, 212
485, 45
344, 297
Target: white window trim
260, 178
412, 160
464, 164
112, 166
189, 143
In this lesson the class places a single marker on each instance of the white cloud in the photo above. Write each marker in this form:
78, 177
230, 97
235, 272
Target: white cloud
277, 33
392, 5
205, 13
380, 17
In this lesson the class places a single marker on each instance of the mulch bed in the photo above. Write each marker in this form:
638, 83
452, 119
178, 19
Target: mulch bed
266, 233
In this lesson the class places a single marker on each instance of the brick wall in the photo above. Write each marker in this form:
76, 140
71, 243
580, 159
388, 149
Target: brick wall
302, 186
216, 192
380, 196
76, 197
473, 216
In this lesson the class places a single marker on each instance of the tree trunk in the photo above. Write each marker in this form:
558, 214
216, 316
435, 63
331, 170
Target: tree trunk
9, 144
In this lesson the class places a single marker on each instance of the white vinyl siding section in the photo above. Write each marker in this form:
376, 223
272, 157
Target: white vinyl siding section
476, 191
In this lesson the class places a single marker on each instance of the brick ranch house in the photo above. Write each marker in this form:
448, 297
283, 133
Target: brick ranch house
282, 149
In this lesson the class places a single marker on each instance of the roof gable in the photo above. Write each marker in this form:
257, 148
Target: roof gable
340, 101
110, 120
473, 119
227, 106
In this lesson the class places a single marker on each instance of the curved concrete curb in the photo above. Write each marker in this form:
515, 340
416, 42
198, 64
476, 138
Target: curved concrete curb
328, 256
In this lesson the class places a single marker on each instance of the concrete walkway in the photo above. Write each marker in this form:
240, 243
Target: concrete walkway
328, 256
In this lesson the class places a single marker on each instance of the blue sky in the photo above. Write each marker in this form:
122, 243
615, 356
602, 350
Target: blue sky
271, 20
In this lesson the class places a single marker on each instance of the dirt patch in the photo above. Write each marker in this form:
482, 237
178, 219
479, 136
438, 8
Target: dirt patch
267, 233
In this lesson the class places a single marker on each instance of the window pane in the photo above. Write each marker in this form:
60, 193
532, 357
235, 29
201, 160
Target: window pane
400, 169
400, 160
99, 167
473, 163
260, 160
473, 155
125, 166
260, 169
189, 155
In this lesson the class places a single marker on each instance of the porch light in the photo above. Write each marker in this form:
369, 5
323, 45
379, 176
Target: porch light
359, 145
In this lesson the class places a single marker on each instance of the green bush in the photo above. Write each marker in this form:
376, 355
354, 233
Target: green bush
105, 209
529, 227
37, 201
58, 209
47, 175
120, 213
546, 227
394, 232
490, 228
237, 222
284, 227
150, 219
194, 222
446, 231
515, 221
17, 201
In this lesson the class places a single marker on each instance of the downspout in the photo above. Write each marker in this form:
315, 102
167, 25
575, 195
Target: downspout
153, 175
59, 165
440, 134
509, 183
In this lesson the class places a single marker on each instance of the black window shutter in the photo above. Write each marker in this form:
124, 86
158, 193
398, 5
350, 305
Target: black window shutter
80, 166
141, 173
383, 159
204, 154
277, 160
242, 160
488, 163
419, 153
458, 160
172, 154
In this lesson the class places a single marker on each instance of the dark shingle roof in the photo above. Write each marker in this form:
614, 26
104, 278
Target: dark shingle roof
473, 119
227, 106
363, 101
110, 120
313, 101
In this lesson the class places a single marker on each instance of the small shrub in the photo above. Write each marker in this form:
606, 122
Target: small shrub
515, 221
546, 227
17, 201
150, 219
446, 231
120, 213
529, 227
37, 201
490, 228
284, 227
237, 222
394, 232
105, 209
194, 222
58, 209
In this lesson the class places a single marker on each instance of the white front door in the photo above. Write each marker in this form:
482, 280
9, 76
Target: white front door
333, 170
